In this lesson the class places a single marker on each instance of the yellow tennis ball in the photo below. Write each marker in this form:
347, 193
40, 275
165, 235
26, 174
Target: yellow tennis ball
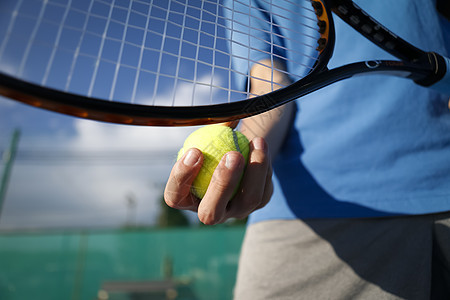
214, 141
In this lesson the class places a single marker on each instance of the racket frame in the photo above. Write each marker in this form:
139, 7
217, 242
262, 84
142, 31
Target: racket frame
415, 64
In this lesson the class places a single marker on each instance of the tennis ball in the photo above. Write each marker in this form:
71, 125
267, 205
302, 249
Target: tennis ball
214, 141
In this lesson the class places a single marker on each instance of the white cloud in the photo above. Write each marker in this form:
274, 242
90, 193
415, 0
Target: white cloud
97, 135
185, 93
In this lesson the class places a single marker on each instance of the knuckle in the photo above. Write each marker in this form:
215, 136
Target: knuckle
168, 195
180, 201
219, 185
219, 182
266, 197
171, 192
262, 204
208, 217
170, 200
241, 215
244, 206
252, 201
180, 177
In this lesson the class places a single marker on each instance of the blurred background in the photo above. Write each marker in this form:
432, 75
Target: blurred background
81, 202
82, 214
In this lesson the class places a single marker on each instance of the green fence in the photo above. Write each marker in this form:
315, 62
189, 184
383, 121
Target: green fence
192, 263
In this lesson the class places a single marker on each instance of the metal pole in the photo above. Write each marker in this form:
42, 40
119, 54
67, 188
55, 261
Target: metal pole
8, 159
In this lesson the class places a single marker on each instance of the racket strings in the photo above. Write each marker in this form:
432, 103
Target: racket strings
158, 52
262, 30
9, 27
55, 45
167, 21
76, 54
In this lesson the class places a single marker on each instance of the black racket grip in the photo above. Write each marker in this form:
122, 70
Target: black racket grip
439, 77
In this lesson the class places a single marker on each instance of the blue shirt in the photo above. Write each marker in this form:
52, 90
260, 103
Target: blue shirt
367, 146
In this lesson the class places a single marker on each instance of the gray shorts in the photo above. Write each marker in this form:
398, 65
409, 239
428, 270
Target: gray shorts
380, 258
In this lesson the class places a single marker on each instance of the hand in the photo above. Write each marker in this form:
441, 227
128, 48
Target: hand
217, 206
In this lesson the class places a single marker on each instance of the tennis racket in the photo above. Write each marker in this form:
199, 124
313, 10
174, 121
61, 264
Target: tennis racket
179, 62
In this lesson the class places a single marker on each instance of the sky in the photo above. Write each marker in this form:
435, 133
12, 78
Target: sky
70, 172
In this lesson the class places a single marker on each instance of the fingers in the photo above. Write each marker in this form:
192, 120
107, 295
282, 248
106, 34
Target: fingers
257, 187
218, 204
254, 192
177, 193
225, 180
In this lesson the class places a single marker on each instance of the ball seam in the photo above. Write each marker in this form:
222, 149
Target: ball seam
236, 141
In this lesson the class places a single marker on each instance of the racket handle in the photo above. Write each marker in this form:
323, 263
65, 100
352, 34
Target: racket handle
443, 85
439, 80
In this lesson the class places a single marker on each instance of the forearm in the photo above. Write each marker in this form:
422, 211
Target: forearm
274, 124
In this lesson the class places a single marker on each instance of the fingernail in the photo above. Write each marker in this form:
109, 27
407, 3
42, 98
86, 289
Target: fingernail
232, 161
191, 158
258, 143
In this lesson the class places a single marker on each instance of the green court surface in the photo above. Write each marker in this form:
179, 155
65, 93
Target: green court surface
186, 263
